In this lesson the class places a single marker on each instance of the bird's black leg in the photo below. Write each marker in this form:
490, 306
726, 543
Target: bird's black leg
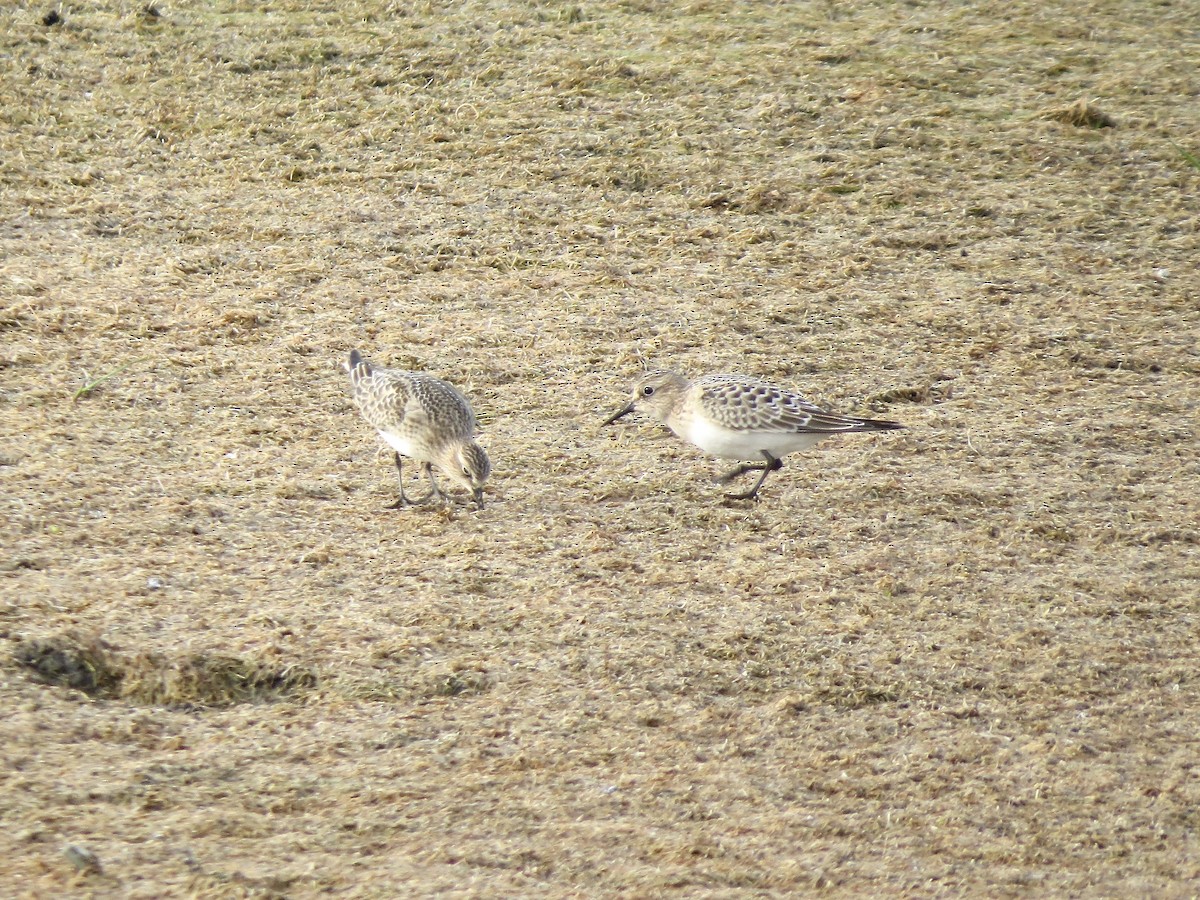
769, 465
434, 491
403, 501
739, 472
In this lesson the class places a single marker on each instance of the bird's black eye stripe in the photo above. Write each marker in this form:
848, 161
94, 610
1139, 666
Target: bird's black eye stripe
648, 390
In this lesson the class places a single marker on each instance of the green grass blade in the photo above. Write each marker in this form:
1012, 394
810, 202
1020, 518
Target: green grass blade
1188, 157
92, 383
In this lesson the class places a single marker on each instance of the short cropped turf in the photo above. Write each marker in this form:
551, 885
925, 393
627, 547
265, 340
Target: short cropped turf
955, 660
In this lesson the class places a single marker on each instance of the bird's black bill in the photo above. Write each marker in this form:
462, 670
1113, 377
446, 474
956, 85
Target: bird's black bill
623, 411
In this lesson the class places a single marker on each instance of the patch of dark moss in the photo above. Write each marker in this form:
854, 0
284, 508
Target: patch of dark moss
93, 666
73, 661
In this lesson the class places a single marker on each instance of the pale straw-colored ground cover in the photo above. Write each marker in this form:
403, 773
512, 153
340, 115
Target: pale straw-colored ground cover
958, 659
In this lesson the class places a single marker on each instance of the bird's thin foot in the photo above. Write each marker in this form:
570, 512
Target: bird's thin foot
751, 494
403, 501
739, 472
434, 490
772, 465
765, 468
427, 498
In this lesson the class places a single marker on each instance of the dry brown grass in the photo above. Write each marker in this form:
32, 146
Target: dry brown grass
956, 660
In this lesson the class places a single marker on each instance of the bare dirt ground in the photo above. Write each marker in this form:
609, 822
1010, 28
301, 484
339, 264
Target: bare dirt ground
958, 659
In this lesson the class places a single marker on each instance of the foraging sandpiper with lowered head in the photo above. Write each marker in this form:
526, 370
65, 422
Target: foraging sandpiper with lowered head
425, 419
737, 417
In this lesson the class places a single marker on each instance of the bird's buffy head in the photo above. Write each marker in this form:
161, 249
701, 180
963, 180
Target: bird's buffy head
468, 466
655, 393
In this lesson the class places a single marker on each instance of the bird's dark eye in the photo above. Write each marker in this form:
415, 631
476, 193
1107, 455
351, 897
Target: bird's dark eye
648, 390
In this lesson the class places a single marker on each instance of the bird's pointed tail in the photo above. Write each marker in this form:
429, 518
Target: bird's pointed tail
358, 368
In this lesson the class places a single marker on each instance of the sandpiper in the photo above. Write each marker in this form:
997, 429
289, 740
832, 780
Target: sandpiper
737, 417
425, 419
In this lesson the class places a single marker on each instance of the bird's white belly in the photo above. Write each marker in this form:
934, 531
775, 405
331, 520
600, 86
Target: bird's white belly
729, 443
402, 445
